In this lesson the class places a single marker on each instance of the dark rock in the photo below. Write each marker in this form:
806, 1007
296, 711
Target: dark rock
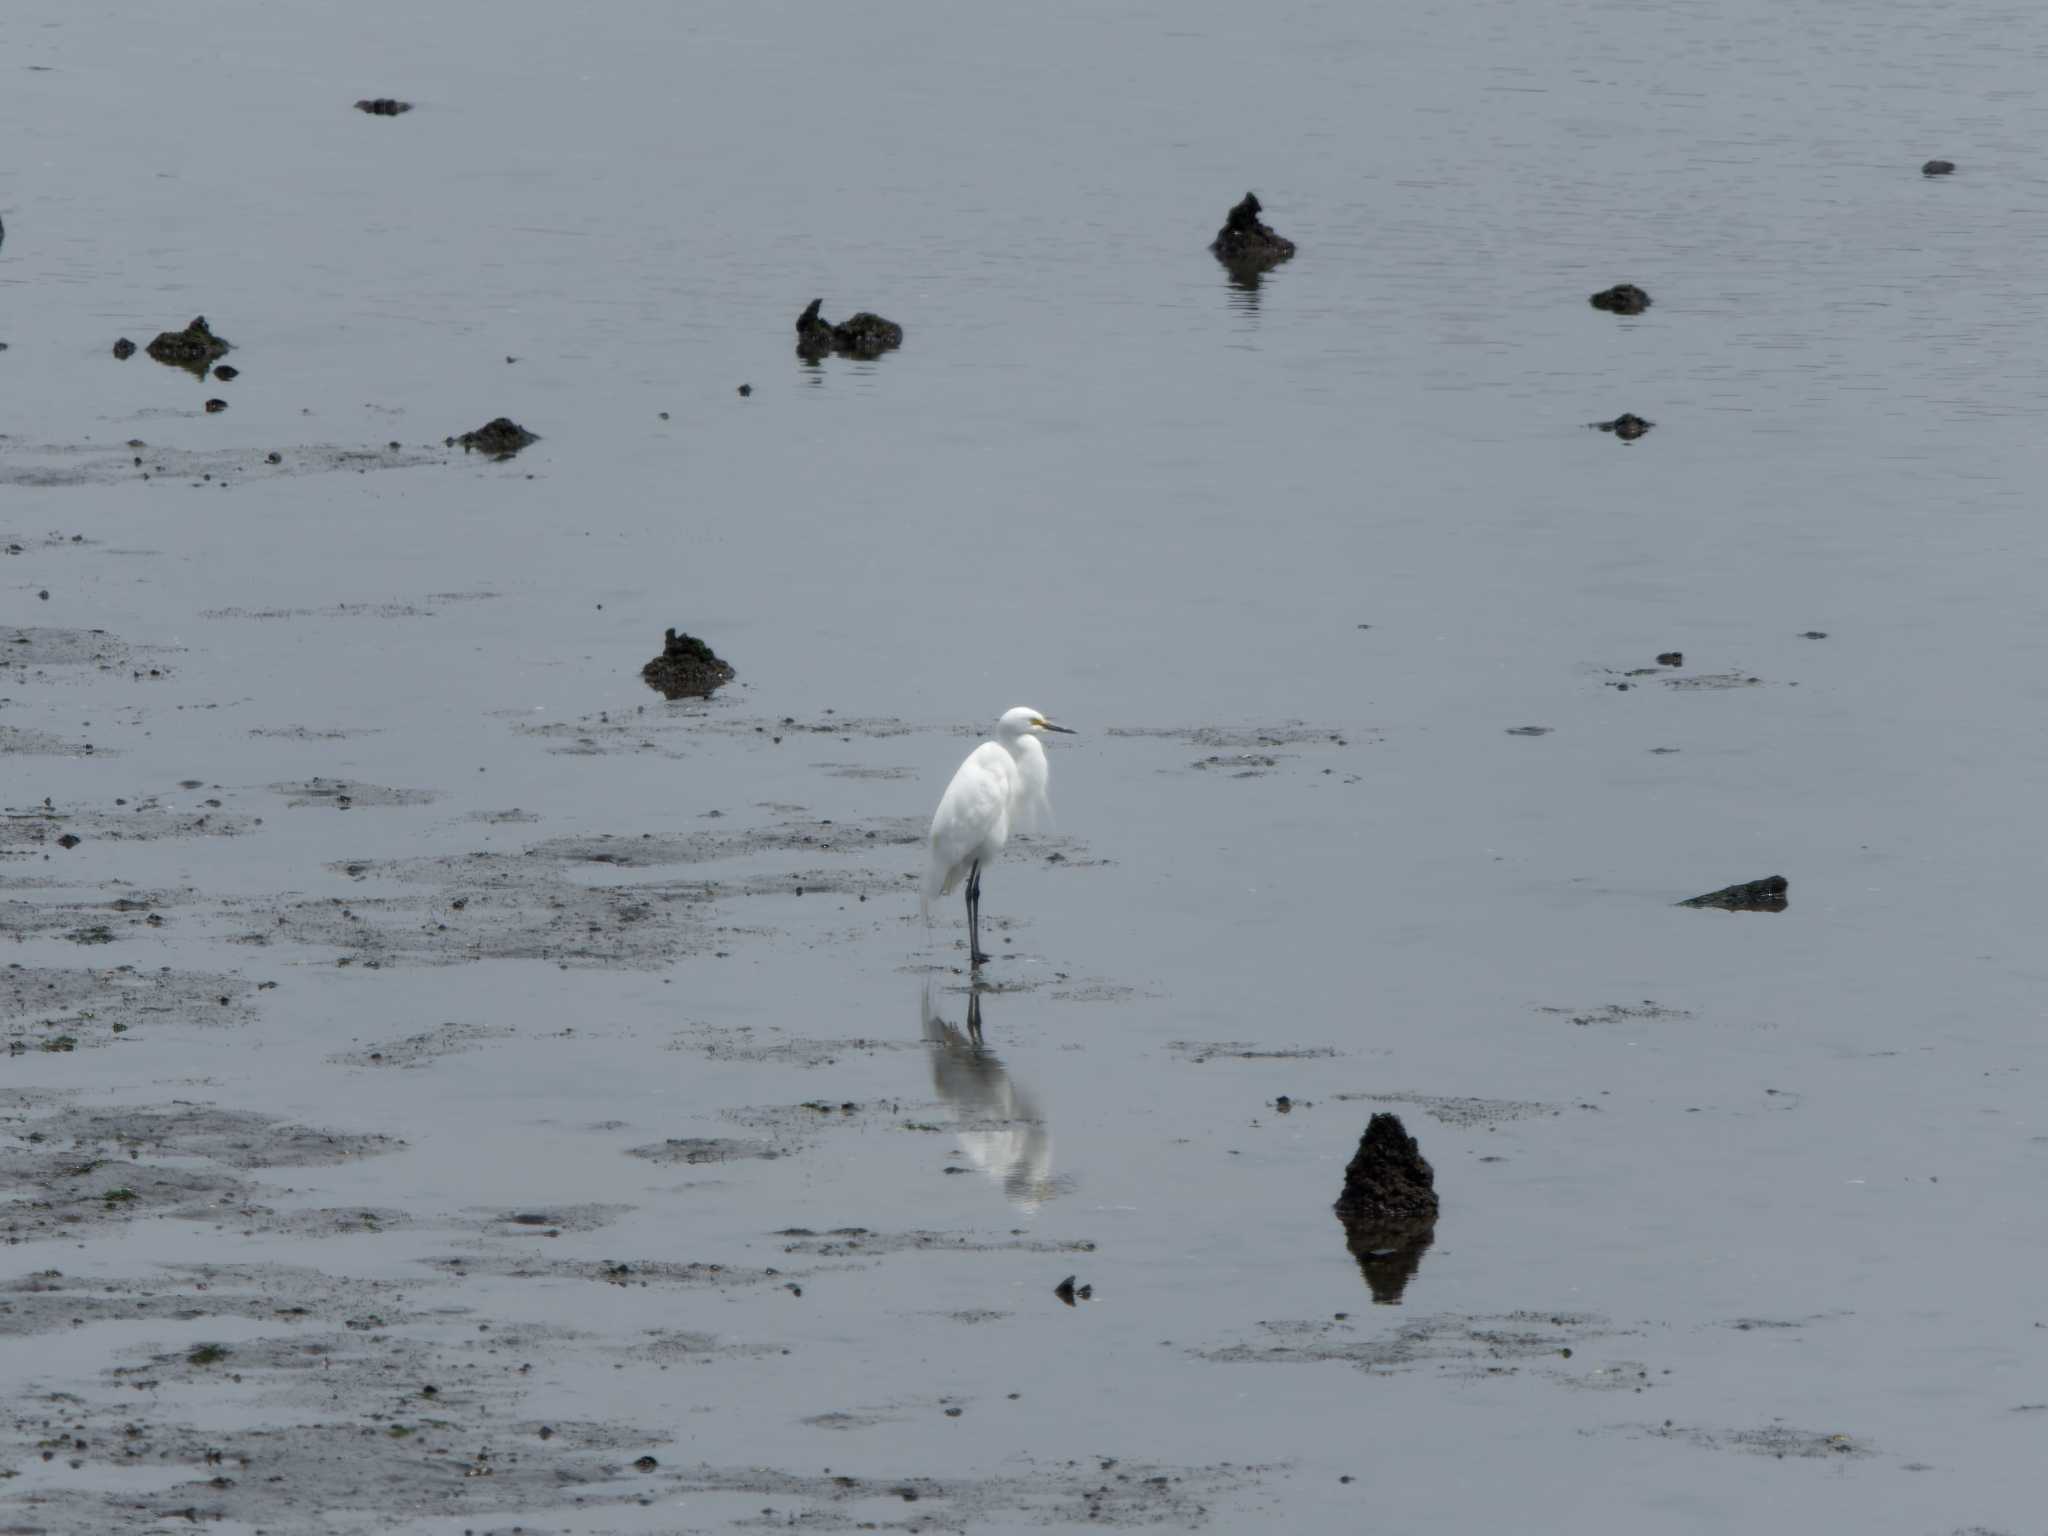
1622, 299
1247, 246
383, 106
1815, 634
686, 669
500, 437
1765, 895
1626, 427
124, 349
863, 336
1388, 1207
215, 407
69, 840
1671, 659
746, 390
1938, 168
1388, 1178
227, 373
273, 458
1069, 1292
195, 348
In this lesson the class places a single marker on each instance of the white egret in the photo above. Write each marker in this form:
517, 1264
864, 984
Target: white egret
1001, 786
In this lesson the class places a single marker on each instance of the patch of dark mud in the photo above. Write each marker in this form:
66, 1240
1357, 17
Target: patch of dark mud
419, 1461
459, 908
72, 1169
865, 336
1460, 1344
1621, 1013
424, 608
49, 1299
194, 349
1770, 894
233, 1138
860, 1243
383, 106
799, 1123
499, 438
705, 1149
665, 1346
347, 794
22, 648
312, 733
1101, 992
687, 668
45, 829
636, 1273
1239, 765
1776, 1439
745, 1043
1938, 168
1089, 1494
1200, 1051
512, 818
53, 465
48, 1008
544, 1220
133, 914
1249, 738
846, 727
792, 835
603, 735
864, 771
1712, 681
1465, 1113
16, 742
419, 1050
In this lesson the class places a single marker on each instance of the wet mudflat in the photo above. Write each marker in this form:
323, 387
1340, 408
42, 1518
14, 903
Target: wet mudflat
447, 1086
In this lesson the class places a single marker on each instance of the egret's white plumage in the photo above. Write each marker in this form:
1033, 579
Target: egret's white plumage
1002, 787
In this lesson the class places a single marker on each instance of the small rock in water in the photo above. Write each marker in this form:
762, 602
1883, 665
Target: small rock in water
383, 106
1815, 634
687, 668
1529, 730
273, 458
864, 336
215, 407
1766, 895
1622, 299
1388, 1207
746, 390
500, 438
1626, 427
1069, 1292
1245, 244
1938, 168
124, 349
227, 373
1671, 659
194, 349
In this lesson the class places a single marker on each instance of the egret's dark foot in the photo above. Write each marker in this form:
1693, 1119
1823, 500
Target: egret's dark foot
978, 959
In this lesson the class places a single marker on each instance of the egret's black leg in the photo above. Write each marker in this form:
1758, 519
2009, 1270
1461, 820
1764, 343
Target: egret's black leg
975, 958
974, 1018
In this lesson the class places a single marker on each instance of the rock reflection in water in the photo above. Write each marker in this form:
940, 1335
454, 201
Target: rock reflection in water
1388, 1208
1001, 1129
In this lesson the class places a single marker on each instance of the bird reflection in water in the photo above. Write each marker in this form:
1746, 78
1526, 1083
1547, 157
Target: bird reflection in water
1001, 1130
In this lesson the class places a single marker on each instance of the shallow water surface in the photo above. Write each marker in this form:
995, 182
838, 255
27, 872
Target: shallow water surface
444, 1075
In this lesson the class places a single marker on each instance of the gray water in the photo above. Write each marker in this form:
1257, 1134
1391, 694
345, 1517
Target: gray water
1740, 1224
